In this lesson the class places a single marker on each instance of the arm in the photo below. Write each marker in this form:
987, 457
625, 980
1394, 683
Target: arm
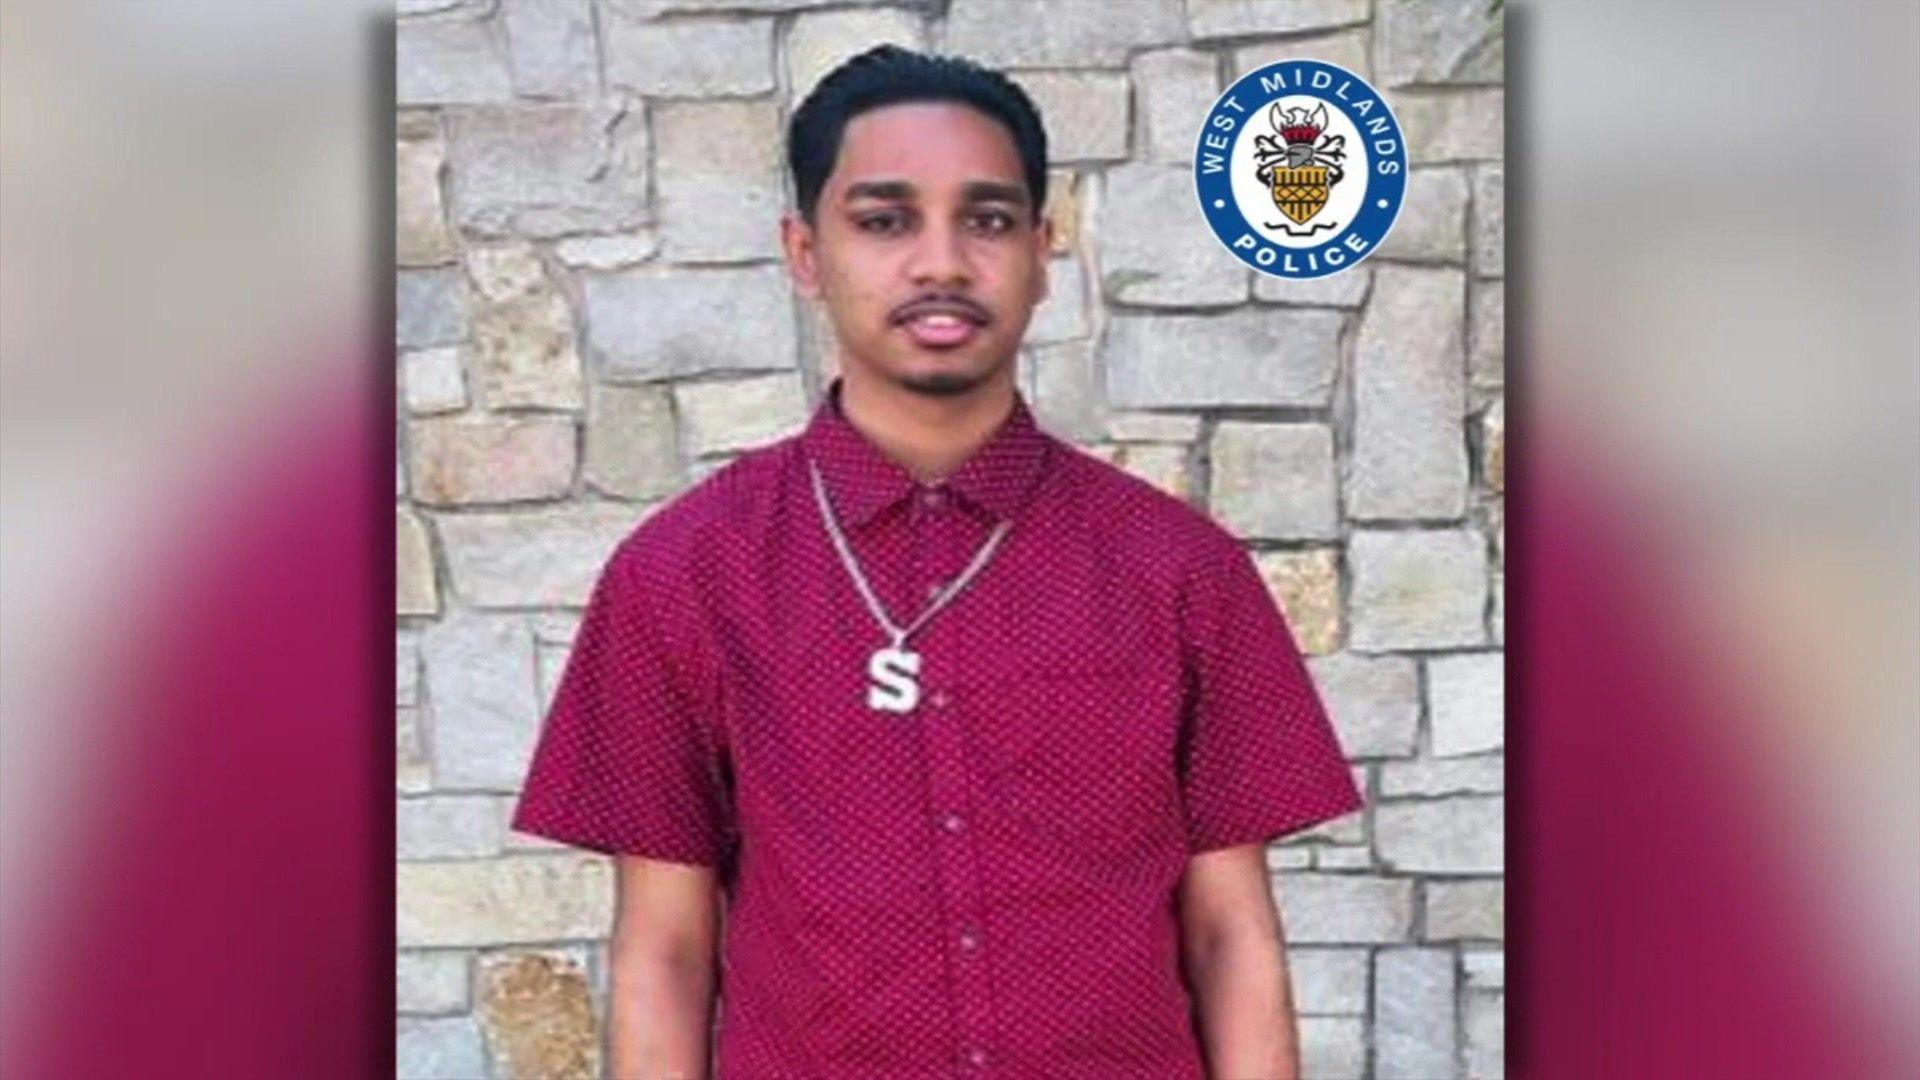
661, 970
1233, 953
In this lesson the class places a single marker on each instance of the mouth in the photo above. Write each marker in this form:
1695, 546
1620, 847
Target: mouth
940, 330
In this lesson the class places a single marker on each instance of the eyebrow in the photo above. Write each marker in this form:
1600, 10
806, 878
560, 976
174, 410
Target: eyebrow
973, 191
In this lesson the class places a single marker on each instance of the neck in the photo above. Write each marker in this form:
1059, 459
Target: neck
928, 435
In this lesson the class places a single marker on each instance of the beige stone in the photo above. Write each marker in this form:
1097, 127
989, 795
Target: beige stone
717, 172
1306, 585
421, 236
490, 459
633, 448
822, 40
524, 350
412, 774
1063, 209
1347, 49
1085, 112
509, 900
418, 593
1493, 445
1163, 466
1465, 909
536, 1009
717, 417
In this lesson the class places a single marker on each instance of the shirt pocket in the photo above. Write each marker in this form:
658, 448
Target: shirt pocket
1083, 767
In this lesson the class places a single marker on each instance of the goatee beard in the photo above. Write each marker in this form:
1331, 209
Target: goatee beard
943, 384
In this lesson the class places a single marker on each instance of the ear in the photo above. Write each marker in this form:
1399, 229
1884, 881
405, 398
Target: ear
797, 239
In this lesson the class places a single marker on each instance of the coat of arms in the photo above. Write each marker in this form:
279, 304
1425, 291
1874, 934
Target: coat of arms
1300, 167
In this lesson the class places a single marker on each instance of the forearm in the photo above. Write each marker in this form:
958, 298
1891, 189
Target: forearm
659, 1019
1243, 1001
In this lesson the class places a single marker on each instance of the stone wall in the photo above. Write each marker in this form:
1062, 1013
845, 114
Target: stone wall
592, 315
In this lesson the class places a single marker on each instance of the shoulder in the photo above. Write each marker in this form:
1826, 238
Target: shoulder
684, 533
1138, 519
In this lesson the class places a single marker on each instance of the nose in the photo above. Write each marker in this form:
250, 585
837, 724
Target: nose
940, 257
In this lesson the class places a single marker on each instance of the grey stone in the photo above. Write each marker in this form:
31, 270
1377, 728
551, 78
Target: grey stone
633, 446
416, 590
1484, 969
1452, 125
548, 557
1059, 33
473, 458
406, 667
421, 236
523, 339
438, 1048
1413, 1010
688, 57
653, 9
608, 252
1432, 226
1062, 316
717, 169
1344, 909
1374, 702
527, 898
717, 417
447, 827
413, 775
548, 170
1333, 1047
1253, 357
1067, 394
1490, 220
1484, 1018
485, 716
1474, 910
434, 383
820, 41
1446, 776
1409, 446
1343, 857
1152, 247
1173, 90
1419, 589
1085, 113
655, 323
1328, 981
1466, 699
1439, 41
1153, 427
1240, 18
1288, 857
550, 48
432, 982
552, 669
1486, 333
1457, 834
1346, 289
1346, 49
430, 307
450, 60
1275, 481
1497, 617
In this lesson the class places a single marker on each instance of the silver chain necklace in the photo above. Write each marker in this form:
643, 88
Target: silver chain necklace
893, 668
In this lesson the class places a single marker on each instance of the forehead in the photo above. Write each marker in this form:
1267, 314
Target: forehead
932, 143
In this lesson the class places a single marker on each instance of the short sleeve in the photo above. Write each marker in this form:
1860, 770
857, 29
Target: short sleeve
1259, 757
629, 758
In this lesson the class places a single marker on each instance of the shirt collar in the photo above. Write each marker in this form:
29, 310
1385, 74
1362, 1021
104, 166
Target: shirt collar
862, 480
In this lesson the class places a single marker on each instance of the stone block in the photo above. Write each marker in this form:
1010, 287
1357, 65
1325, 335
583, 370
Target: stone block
447, 827
1432, 226
693, 57
1165, 467
1458, 834
739, 414
655, 323
548, 170
438, 1048
430, 307
433, 380
633, 445
1242, 18
1328, 981
1484, 1020
1086, 113
1345, 49
1474, 910
1062, 316
1306, 585
1173, 90
1059, 33
717, 170
820, 41
1486, 333
536, 1007
1347, 289
1250, 357
420, 233
1417, 589
1452, 125
457, 460
509, 900
1067, 397
1481, 775
1409, 386
1439, 41
453, 59
1413, 1014
608, 252
431, 982
1333, 1047
1275, 481
1466, 700
1344, 909
485, 715
551, 48
523, 336
546, 557
416, 588
1490, 220
1153, 241
1374, 702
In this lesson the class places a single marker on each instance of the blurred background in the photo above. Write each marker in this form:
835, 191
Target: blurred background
1712, 349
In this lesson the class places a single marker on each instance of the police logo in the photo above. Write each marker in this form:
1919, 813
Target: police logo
1301, 169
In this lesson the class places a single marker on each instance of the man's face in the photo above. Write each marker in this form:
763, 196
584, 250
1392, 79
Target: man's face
924, 247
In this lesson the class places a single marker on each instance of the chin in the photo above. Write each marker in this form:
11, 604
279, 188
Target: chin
944, 375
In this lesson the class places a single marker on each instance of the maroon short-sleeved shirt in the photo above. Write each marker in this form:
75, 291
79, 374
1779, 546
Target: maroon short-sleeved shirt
983, 886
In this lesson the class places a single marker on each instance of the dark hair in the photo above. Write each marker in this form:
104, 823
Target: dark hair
891, 75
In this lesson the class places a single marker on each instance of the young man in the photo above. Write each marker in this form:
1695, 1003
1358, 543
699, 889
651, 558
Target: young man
979, 739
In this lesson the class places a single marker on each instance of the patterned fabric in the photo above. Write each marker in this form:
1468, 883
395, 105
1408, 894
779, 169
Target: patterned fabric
982, 886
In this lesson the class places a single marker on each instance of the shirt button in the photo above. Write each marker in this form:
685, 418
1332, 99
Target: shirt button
933, 498
940, 699
952, 823
976, 1057
969, 940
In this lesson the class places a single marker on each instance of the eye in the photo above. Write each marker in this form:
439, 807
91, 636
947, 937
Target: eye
992, 221
885, 223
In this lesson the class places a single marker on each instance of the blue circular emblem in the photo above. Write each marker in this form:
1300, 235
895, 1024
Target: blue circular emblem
1301, 168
